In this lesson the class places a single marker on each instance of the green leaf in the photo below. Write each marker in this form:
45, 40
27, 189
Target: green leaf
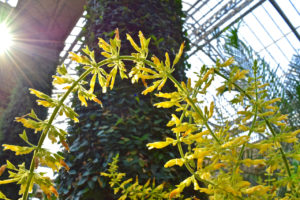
10, 166
120, 120
8, 181
91, 54
2, 196
18, 149
24, 136
62, 70
32, 114
70, 113
235, 101
39, 94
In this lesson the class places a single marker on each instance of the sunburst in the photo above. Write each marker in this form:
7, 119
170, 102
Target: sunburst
6, 38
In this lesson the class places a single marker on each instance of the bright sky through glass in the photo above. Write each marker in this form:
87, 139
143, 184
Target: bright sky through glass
6, 39
263, 29
12, 3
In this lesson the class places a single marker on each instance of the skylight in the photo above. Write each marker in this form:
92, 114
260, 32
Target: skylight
12, 3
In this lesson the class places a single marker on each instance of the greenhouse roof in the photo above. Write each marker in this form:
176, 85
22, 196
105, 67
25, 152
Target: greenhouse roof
271, 27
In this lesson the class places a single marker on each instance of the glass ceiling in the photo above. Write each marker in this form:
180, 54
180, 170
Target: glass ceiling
271, 28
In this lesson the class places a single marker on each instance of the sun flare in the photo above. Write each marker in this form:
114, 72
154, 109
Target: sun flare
6, 39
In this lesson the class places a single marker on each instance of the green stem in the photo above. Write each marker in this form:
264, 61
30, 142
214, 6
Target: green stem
195, 108
46, 130
207, 126
252, 125
131, 58
182, 155
265, 119
189, 167
283, 156
179, 146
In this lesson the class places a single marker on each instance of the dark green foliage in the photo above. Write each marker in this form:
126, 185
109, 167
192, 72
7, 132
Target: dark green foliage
128, 120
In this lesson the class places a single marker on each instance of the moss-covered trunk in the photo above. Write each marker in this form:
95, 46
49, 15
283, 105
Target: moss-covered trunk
128, 120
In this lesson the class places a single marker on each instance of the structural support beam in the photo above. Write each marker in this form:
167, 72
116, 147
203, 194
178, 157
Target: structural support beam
200, 47
285, 18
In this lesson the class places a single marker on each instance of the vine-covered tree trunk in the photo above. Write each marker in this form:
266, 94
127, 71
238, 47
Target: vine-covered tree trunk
128, 121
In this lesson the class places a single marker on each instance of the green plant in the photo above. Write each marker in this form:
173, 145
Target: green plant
123, 125
213, 156
134, 190
244, 56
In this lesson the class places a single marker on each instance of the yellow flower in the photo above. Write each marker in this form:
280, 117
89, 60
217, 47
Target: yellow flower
176, 161
236, 141
258, 190
178, 55
2, 169
160, 145
249, 162
174, 193
205, 176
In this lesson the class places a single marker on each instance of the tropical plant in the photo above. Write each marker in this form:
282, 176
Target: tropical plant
245, 56
135, 190
212, 156
285, 86
230, 44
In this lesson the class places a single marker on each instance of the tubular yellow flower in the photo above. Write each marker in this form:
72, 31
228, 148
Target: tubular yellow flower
161, 144
176, 161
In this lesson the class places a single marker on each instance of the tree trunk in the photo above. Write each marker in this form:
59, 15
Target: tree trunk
128, 120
